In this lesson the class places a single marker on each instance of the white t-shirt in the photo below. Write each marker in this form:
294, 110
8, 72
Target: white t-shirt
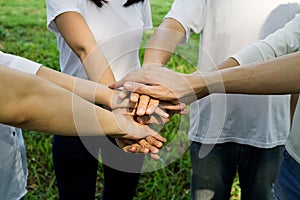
225, 27
18, 63
13, 167
117, 29
283, 41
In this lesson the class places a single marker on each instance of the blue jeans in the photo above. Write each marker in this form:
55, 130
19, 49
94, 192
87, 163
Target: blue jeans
212, 176
76, 169
287, 184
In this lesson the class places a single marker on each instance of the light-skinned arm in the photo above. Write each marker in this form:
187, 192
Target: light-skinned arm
163, 42
97, 93
159, 50
91, 91
100, 94
85, 46
275, 76
52, 109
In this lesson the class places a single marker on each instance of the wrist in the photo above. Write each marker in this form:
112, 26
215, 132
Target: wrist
198, 84
103, 95
207, 83
119, 121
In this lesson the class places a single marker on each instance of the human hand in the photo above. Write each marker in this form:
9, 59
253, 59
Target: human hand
149, 145
142, 104
154, 119
146, 105
129, 128
160, 83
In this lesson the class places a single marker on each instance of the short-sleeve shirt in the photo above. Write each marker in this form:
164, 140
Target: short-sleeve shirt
283, 41
13, 167
117, 29
226, 27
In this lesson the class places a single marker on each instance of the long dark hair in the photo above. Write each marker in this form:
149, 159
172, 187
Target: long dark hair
100, 3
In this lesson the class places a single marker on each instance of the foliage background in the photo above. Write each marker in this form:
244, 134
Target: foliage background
23, 32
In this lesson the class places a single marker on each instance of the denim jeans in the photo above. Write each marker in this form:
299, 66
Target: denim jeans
287, 184
76, 170
212, 176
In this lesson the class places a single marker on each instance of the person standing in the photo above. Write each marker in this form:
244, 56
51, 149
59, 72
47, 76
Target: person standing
97, 40
13, 170
229, 133
269, 66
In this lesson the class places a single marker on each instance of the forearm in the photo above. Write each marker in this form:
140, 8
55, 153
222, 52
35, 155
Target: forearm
277, 76
163, 42
85, 46
97, 67
88, 90
34, 103
228, 63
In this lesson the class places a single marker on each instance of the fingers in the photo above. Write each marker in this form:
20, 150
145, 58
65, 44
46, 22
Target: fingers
145, 144
143, 104
123, 94
161, 112
172, 106
153, 119
117, 84
122, 103
155, 156
152, 105
155, 91
156, 140
134, 97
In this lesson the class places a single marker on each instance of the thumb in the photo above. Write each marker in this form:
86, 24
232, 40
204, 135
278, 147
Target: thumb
155, 91
136, 87
112, 85
117, 84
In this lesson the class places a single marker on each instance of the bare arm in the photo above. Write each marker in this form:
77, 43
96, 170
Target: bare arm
79, 37
158, 52
230, 62
163, 42
91, 91
275, 76
37, 104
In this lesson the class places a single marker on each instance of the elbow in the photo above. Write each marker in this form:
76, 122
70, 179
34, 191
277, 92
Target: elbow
17, 114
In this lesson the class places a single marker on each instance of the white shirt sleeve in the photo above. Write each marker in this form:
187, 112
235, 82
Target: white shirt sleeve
191, 14
55, 8
147, 15
281, 42
19, 63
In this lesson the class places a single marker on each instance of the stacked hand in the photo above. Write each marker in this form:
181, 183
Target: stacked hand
145, 110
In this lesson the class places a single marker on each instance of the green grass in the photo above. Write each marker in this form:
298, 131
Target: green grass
23, 32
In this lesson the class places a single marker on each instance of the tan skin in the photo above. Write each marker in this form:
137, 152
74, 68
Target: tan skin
85, 47
37, 109
184, 87
159, 52
275, 76
100, 94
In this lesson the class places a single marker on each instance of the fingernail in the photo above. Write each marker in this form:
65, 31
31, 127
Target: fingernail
155, 151
134, 98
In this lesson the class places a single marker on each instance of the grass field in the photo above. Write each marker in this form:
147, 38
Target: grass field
23, 32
